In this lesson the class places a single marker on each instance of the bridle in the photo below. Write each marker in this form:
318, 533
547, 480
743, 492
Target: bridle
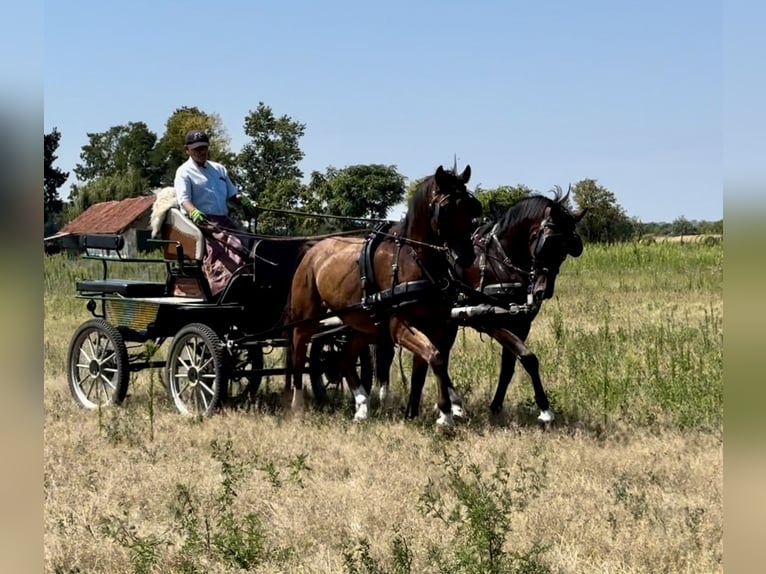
442, 200
546, 230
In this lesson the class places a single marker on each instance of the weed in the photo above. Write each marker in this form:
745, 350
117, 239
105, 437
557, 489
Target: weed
359, 560
481, 518
144, 550
297, 467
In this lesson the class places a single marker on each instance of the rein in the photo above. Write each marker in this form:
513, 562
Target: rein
407, 241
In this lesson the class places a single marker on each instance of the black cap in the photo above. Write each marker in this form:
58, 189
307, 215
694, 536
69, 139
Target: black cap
196, 138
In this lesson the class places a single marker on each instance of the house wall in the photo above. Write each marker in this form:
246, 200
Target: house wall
135, 236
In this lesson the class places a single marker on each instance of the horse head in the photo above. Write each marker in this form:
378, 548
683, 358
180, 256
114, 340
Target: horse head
452, 211
531, 241
551, 242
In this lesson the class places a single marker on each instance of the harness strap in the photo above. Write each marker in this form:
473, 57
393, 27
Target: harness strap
365, 261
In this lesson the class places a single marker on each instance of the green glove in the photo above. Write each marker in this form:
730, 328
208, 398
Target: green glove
248, 205
198, 217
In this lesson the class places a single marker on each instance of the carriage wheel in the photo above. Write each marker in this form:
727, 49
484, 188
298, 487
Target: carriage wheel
245, 377
324, 368
195, 372
97, 363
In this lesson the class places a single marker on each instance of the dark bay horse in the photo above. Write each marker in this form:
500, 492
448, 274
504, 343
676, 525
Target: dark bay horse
517, 261
396, 283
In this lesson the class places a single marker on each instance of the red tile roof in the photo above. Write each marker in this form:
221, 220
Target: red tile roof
109, 216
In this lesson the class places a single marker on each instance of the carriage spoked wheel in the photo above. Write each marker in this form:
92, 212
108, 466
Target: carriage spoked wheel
97, 365
244, 376
195, 371
324, 367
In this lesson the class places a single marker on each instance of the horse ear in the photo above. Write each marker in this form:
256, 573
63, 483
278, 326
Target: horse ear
466, 175
439, 176
579, 215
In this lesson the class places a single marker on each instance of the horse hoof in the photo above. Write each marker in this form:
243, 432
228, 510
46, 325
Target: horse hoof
361, 413
445, 421
458, 413
546, 416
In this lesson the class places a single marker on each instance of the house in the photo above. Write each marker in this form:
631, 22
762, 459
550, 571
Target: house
129, 218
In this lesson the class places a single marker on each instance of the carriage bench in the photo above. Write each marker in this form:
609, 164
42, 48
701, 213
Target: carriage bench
105, 247
123, 287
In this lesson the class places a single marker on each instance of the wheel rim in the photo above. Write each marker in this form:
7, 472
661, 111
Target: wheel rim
95, 370
193, 375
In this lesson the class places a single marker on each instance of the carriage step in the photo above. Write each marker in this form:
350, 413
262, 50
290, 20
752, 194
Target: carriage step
124, 287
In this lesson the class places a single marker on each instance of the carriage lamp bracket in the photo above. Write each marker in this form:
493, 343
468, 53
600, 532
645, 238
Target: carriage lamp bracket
91, 306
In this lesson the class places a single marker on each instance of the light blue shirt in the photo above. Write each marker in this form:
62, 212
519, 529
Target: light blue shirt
207, 187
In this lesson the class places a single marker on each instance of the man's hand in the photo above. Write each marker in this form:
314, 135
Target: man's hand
250, 207
198, 217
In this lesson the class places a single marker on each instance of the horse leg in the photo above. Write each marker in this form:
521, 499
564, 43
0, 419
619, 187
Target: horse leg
530, 363
445, 346
384, 356
348, 370
299, 351
416, 342
420, 370
507, 366
418, 380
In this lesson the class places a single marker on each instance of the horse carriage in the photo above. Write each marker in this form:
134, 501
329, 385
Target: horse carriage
217, 344
410, 284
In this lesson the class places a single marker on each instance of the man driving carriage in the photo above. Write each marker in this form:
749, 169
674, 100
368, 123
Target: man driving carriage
203, 190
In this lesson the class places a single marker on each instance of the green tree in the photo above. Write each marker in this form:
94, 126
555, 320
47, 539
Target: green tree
115, 186
118, 163
496, 201
272, 154
711, 227
170, 154
53, 179
118, 150
364, 191
606, 221
284, 196
682, 226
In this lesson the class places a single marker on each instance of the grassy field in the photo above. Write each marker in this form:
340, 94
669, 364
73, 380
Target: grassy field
627, 480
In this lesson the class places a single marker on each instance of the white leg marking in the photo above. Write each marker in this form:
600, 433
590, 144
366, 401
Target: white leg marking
297, 405
458, 412
545, 416
383, 396
362, 401
445, 420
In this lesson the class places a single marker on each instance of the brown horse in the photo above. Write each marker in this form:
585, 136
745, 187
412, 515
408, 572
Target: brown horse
517, 261
397, 280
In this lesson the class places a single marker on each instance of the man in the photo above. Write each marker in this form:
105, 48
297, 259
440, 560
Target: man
203, 189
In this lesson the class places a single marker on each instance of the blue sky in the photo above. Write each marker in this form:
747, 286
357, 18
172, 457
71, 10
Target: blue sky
536, 93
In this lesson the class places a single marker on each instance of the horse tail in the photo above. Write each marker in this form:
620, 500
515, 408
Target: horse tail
290, 314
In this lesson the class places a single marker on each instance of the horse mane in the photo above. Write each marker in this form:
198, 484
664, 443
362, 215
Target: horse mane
418, 203
530, 207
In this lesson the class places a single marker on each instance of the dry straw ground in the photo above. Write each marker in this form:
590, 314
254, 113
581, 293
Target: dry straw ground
628, 479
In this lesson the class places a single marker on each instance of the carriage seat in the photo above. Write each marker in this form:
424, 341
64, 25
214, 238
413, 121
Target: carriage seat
187, 279
124, 287
179, 228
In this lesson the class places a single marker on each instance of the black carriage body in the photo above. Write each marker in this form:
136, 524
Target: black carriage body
232, 328
253, 303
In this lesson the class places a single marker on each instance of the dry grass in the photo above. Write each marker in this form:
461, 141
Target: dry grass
628, 501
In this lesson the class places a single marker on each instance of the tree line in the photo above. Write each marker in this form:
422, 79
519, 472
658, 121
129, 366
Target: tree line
131, 160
